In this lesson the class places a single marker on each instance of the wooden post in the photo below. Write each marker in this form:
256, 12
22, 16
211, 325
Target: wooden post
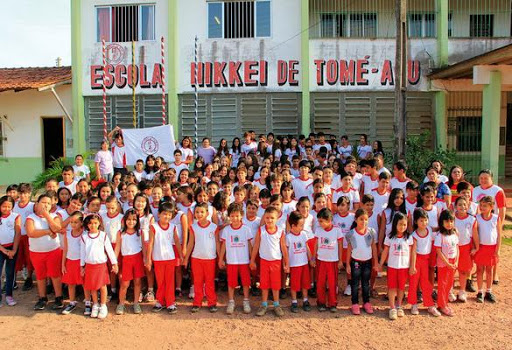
400, 78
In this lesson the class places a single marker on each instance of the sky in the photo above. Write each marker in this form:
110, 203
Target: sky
33, 33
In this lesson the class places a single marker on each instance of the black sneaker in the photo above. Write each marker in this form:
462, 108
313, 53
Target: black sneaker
306, 306
495, 282
172, 309
178, 293
69, 309
294, 308
480, 298
470, 287
41, 304
213, 309
321, 307
58, 304
27, 285
434, 295
333, 309
157, 308
87, 310
282, 293
195, 309
312, 292
490, 297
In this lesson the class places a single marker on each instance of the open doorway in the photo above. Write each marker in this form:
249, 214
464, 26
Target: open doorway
53, 139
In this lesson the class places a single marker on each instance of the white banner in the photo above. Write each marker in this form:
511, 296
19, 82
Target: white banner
157, 141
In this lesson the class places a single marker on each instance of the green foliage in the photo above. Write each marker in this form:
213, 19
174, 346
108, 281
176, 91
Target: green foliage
55, 170
419, 154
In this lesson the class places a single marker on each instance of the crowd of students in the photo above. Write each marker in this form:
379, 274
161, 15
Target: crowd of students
263, 216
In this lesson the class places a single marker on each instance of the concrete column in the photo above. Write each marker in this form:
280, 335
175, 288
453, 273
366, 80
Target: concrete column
304, 67
491, 113
442, 53
442, 32
78, 111
441, 120
172, 66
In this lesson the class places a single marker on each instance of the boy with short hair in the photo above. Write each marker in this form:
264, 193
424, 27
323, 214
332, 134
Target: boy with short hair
68, 179
328, 254
178, 165
24, 207
236, 245
270, 244
299, 255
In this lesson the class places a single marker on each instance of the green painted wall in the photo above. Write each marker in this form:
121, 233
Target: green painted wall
78, 111
16, 170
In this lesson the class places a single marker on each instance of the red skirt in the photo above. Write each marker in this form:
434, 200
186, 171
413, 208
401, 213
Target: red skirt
485, 255
465, 259
96, 276
73, 275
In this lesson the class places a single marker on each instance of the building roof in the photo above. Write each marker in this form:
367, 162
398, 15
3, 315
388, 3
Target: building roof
19, 79
464, 69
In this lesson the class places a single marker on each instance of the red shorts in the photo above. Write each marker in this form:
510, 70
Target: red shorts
47, 264
300, 278
176, 256
96, 276
270, 274
311, 244
23, 257
72, 275
133, 267
432, 261
485, 255
465, 259
397, 278
238, 270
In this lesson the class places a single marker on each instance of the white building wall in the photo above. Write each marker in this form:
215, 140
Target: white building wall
24, 111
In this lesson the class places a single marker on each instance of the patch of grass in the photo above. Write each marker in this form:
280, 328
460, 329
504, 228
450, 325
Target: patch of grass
507, 241
507, 227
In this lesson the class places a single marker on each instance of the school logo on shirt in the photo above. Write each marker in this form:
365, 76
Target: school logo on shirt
343, 225
236, 242
326, 241
297, 245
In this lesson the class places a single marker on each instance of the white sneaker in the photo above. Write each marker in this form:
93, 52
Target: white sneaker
451, 297
10, 301
247, 307
191, 293
415, 310
462, 296
103, 312
348, 291
231, 307
150, 296
95, 310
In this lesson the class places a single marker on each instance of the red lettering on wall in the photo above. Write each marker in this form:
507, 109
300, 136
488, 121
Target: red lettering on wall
347, 72
156, 81
332, 72
234, 74
219, 79
319, 72
249, 72
413, 72
292, 74
263, 73
282, 72
386, 77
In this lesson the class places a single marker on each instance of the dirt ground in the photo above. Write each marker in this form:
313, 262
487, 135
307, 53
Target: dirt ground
475, 326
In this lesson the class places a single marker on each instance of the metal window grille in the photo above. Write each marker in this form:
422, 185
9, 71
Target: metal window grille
239, 19
480, 18
126, 23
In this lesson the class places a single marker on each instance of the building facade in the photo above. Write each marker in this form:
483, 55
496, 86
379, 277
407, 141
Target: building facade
287, 66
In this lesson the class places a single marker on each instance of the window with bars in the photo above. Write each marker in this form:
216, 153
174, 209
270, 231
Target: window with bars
353, 25
125, 23
422, 25
239, 19
481, 26
469, 134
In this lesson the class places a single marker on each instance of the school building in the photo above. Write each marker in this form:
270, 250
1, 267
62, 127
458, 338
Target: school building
295, 66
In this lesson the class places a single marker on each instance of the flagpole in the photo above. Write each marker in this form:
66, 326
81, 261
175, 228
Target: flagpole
133, 86
196, 95
164, 118
104, 54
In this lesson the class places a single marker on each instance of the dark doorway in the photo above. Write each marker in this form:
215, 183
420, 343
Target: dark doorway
508, 150
53, 139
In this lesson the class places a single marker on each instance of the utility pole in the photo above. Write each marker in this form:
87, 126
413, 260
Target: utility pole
400, 78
